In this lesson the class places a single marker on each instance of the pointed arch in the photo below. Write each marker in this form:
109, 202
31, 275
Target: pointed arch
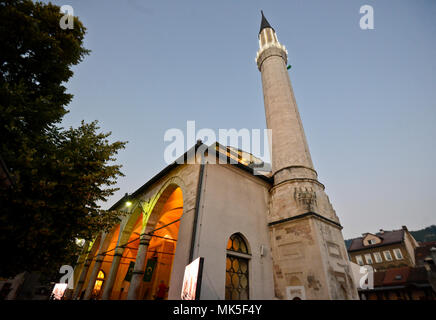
98, 284
237, 268
166, 210
129, 225
160, 198
238, 242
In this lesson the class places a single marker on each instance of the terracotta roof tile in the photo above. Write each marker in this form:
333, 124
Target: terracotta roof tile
396, 276
378, 278
400, 276
388, 237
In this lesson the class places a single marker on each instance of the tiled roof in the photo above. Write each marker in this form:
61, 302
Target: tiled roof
378, 278
396, 276
400, 277
387, 237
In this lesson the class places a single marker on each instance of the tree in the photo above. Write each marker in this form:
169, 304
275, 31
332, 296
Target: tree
60, 175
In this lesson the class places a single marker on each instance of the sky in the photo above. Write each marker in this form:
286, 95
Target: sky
367, 98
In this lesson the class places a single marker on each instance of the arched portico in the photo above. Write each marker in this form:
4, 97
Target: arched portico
158, 240
153, 223
102, 260
165, 221
128, 245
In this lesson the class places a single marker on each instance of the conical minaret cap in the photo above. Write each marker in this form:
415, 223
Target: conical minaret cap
264, 23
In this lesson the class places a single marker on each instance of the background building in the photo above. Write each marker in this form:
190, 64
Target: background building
385, 249
405, 283
403, 268
424, 253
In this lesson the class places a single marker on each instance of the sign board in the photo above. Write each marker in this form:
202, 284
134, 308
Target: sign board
192, 280
129, 273
295, 293
149, 268
58, 291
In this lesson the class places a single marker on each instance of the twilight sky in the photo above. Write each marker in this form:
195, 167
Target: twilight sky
367, 98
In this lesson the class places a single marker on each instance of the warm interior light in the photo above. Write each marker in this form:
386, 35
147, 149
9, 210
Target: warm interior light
128, 203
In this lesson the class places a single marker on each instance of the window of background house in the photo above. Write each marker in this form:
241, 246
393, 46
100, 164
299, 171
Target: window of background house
398, 254
387, 255
377, 257
368, 258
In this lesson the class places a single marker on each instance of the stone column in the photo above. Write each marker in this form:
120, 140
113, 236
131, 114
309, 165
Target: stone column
107, 291
138, 270
82, 278
93, 277
78, 270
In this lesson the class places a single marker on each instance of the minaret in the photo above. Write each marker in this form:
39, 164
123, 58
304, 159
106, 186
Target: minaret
308, 249
289, 145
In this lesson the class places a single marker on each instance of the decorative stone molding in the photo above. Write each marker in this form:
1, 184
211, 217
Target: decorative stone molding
305, 198
273, 49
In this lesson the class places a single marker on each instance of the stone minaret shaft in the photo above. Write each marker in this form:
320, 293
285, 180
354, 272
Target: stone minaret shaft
307, 245
290, 152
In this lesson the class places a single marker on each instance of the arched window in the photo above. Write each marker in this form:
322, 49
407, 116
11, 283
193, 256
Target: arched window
98, 284
237, 286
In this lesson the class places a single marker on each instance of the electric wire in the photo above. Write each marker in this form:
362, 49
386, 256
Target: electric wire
94, 257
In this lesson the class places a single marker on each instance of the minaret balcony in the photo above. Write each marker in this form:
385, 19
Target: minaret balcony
271, 49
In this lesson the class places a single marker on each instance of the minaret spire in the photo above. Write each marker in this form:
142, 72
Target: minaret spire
264, 23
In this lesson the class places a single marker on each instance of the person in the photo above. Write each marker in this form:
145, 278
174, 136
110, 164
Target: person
161, 291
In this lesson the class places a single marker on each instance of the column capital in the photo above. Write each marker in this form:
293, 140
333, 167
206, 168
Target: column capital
137, 272
145, 238
144, 242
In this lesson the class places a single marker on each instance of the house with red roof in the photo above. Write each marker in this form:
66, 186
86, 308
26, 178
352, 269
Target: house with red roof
400, 267
384, 250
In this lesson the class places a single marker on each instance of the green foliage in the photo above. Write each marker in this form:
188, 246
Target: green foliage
61, 175
425, 235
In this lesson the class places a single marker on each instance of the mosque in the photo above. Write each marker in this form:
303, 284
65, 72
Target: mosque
260, 236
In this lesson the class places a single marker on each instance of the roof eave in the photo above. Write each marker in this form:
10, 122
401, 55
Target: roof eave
182, 160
